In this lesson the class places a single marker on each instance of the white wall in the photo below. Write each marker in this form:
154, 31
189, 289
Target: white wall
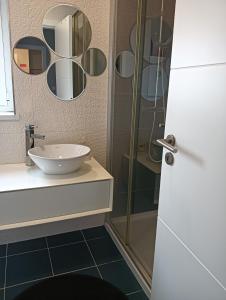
81, 121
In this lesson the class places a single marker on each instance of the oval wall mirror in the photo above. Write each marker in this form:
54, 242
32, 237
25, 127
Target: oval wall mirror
67, 30
152, 38
94, 62
125, 63
66, 79
31, 55
152, 75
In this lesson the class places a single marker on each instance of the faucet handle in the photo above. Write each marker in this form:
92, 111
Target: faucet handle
29, 126
38, 136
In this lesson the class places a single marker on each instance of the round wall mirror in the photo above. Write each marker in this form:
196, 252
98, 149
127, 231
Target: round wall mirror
66, 79
31, 55
125, 63
152, 38
67, 30
94, 62
152, 75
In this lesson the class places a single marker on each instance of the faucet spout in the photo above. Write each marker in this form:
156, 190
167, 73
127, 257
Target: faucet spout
30, 137
38, 136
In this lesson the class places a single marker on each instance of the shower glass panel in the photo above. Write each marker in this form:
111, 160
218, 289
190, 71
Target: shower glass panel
143, 44
152, 101
122, 111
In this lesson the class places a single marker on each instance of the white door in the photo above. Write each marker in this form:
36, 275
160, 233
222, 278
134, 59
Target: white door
63, 36
190, 256
64, 79
64, 68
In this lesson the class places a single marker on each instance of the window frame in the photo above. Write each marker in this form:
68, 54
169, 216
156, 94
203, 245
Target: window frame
6, 81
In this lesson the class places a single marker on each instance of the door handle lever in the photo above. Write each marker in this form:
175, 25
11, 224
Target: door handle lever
168, 143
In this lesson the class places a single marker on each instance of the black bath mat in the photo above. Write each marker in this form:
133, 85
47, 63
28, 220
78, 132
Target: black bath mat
72, 287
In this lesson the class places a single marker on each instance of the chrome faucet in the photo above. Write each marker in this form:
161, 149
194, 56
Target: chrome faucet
30, 137
161, 125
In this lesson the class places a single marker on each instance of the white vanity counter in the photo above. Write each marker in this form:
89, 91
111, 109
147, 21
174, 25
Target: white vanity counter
30, 197
17, 177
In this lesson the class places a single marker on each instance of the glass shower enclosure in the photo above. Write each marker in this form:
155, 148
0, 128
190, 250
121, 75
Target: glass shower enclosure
143, 43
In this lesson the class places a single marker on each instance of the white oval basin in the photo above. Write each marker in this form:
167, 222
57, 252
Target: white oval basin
59, 159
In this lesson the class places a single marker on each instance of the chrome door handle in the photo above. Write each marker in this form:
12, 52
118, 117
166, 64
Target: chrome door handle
168, 143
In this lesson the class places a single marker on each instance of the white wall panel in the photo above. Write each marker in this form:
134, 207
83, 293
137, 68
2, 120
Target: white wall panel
199, 33
192, 197
178, 275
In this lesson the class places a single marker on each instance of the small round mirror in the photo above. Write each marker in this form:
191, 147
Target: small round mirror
94, 62
67, 30
31, 55
66, 79
125, 63
152, 75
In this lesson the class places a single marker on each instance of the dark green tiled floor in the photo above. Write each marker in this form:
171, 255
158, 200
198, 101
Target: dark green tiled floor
118, 273
138, 296
2, 250
93, 233
1, 295
71, 257
2, 272
104, 250
90, 252
66, 238
31, 245
27, 266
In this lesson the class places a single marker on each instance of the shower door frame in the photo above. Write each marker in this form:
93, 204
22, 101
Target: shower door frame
137, 82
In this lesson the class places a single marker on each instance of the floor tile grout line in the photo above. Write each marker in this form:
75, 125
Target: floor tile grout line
26, 282
6, 262
52, 247
43, 278
26, 252
63, 273
95, 266
93, 238
96, 238
92, 256
50, 259
66, 244
110, 262
72, 271
73, 243
47, 248
75, 271
134, 293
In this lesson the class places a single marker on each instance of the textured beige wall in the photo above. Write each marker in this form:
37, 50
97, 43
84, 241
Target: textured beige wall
81, 121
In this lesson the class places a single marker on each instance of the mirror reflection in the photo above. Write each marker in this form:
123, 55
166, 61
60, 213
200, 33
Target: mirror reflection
152, 38
66, 79
31, 55
125, 63
154, 83
67, 30
94, 62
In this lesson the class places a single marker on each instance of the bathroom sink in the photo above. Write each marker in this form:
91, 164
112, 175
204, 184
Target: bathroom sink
59, 159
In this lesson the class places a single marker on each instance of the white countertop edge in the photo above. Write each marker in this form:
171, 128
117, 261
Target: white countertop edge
19, 177
50, 186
